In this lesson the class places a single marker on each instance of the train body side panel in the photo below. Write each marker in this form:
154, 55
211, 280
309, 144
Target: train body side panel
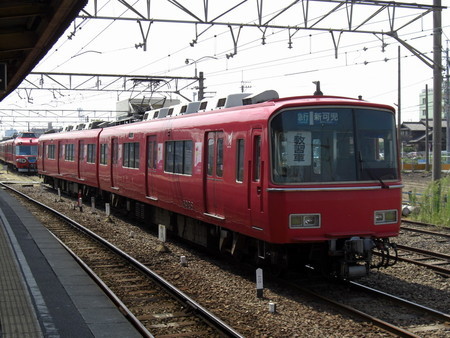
64, 156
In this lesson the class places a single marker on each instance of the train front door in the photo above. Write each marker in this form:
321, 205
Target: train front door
256, 180
214, 174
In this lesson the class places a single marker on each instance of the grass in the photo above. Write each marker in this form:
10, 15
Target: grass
434, 204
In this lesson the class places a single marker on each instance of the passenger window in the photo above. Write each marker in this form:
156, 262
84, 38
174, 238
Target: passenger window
187, 167
240, 161
131, 155
152, 152
115, 151
81, 151
210, 156
91, 148
257, 158
179, 157
219, 160
169, 157
103, 153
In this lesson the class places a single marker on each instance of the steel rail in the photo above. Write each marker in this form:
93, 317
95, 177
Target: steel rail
178, 294
376, 321
116, 300
425, 252
430, 255
435, 313
442, 271
435, 233
426, 232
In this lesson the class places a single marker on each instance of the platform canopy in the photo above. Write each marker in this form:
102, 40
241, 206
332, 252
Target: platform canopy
28, 30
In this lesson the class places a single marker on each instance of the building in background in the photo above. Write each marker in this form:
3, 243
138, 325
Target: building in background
413, 135
422, 105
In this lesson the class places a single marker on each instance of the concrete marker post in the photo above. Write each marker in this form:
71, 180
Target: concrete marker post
162, 238
259, 283
272, 307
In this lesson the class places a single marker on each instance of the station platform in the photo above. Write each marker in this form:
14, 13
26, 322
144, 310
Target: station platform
43, 291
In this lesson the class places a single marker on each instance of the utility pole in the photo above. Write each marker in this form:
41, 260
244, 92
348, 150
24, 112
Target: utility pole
447, 99
399, 103
437, 89
427, 143
201, 87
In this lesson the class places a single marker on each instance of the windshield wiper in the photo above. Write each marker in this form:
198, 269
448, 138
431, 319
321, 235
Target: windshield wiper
371, 174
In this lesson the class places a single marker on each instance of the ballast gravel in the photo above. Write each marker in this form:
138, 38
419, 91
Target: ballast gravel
229, 290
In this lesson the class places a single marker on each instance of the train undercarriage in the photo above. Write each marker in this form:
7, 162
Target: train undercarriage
346, 258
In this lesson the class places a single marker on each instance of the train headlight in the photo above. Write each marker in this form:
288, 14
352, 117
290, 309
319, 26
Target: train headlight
302, 221
21, 160
386, 216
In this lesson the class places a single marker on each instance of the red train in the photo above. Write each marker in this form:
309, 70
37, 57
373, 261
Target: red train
310, 180
20, 153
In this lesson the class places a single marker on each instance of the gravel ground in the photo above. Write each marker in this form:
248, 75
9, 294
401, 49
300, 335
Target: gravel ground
228, 290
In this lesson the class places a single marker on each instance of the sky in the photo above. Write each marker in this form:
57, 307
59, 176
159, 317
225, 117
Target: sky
363, 64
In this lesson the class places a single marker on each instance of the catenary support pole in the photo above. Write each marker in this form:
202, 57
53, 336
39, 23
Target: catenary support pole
437, 89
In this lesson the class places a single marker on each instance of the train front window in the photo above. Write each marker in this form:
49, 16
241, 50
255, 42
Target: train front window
333, 145
26, 150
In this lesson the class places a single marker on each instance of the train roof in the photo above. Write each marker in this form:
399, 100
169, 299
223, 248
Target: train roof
234, 102
318, 100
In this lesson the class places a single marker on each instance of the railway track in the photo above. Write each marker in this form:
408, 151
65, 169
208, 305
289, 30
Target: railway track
399, 316
152, 304
419, 255
422, 230
429, 320
432, 260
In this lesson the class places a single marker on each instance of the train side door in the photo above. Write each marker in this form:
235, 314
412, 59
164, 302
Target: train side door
256, 180
43, 155
214, 174
114, 159
59, 156
151, 163
80, 157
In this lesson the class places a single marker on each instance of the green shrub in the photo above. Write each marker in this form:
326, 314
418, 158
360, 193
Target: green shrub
434, 204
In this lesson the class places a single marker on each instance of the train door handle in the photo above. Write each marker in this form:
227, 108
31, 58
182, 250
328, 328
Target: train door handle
258, 190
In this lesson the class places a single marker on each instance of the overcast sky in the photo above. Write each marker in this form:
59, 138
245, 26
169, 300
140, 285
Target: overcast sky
362, 67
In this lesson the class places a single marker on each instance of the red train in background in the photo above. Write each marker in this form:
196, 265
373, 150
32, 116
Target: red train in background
20, 152
310, 180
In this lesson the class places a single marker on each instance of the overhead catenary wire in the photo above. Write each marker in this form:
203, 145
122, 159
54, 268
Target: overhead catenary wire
244, 47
